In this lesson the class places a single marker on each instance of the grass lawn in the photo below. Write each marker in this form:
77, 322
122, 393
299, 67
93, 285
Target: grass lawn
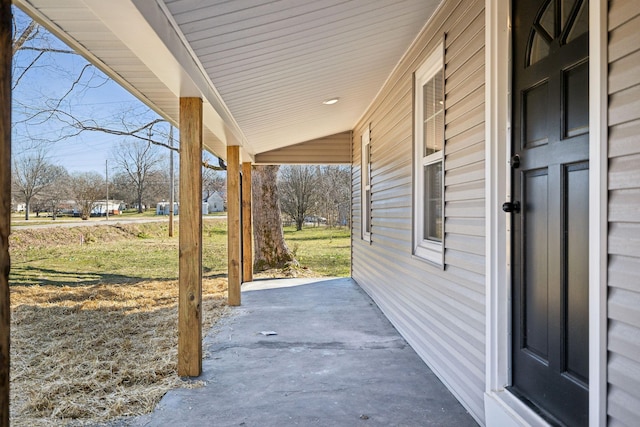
326, 251
132, 252
94, 313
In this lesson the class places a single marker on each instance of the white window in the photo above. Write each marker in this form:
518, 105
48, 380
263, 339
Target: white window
429, 159
366, 185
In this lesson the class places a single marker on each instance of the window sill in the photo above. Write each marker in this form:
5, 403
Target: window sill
430, 253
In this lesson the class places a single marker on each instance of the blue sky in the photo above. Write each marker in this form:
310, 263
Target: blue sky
95, 97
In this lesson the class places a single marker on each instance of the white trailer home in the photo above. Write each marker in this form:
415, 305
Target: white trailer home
164, 208
495, 152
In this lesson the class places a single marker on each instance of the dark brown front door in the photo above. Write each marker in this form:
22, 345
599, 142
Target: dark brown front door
550, 170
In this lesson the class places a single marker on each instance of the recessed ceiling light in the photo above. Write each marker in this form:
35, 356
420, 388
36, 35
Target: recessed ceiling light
330, 101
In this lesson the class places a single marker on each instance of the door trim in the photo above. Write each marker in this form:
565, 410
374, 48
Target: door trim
501, 408
598, 220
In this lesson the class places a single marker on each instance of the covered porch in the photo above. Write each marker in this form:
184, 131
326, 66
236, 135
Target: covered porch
336, 81
336, 360
254, 84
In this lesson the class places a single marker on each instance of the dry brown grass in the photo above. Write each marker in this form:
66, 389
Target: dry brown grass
94, 332
92, 353
27, 238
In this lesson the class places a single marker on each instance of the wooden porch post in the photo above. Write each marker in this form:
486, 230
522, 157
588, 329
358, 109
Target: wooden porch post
190, 230
233, 223
5, 203
247, 238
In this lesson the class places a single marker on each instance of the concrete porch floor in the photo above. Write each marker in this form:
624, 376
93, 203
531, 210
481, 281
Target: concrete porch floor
335, 361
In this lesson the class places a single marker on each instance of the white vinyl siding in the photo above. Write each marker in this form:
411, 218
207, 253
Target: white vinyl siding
329, 150
441, 312
623, 364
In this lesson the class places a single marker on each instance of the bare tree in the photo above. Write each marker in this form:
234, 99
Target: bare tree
86, 188
271, 251
334, 194
139, 160
298, 191
157, 186
213, 181
32, 174
121, 188
57, 192
33, 44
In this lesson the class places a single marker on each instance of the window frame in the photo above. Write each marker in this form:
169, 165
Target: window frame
429, 250
365, 202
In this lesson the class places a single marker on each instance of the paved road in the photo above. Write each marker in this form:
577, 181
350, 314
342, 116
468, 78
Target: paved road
20, 225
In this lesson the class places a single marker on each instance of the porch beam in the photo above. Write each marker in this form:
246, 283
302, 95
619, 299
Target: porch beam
234, 236
190, 240
247, 238
327, 150
5, 203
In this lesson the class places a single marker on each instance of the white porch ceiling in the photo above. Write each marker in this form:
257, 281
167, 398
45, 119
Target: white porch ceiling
262, 67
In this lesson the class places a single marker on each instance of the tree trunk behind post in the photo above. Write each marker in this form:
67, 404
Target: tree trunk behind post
247, 246
5, 203
190, 230
271, 251
234, 235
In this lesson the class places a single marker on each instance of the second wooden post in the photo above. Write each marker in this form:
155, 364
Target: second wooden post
247, 235
234, 236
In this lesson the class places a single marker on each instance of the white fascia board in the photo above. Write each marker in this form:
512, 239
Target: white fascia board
157, 43
52, 27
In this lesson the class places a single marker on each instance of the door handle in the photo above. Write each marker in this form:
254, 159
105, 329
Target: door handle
511, 207
515, 161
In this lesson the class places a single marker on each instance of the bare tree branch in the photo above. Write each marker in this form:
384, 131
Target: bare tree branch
30, 36
27, 34
49, 50
137, 133
73, 85
222, 166
24, 71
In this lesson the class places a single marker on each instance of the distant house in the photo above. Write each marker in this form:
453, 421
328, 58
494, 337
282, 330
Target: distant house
115, 207
99, 208
215, 202
67, 207
162, 208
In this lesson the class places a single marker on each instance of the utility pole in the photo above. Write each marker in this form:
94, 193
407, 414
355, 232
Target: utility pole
106, 175
171, 180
